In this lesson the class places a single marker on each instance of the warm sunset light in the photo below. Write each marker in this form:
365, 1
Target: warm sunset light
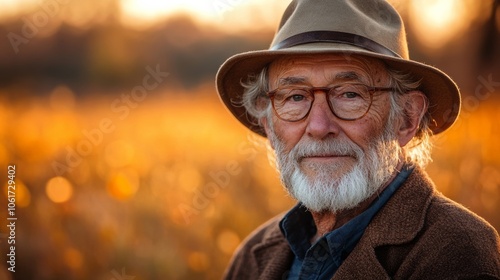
438, 21
45, 16
151, 10
226, 14
11, 8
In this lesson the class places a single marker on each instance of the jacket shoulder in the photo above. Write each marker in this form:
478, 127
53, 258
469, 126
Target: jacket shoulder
432, 237
265, 251
462, 235
453, 241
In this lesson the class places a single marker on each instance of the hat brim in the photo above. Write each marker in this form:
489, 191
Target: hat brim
442, 93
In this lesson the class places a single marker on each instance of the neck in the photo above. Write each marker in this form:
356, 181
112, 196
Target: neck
326, 221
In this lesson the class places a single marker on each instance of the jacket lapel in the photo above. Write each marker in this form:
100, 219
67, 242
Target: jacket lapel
398, 222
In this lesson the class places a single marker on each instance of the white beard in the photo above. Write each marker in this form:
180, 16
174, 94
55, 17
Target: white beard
325, 192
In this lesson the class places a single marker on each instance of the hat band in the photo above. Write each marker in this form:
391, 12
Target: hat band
334, 37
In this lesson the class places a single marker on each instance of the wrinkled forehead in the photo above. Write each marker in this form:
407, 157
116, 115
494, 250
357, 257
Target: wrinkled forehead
364, 69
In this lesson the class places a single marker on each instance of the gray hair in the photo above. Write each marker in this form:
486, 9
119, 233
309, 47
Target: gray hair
417, 151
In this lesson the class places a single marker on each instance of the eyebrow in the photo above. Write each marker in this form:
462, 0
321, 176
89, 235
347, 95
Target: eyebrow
291, 81
339, 77
348, 76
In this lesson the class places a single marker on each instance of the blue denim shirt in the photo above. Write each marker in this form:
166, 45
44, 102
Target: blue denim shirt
323, 258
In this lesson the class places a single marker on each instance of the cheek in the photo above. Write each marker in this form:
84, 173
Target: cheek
379, 113
288, 133
378, 120
364, 131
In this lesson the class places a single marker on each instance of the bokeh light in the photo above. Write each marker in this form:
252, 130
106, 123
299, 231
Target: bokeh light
227, 241
123, 185
59, 189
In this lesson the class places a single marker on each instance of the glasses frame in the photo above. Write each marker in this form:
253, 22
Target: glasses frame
326, 90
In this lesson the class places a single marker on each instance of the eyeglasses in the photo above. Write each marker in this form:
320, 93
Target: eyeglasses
346, 101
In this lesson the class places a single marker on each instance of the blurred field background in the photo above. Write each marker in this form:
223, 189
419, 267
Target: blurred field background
118, 183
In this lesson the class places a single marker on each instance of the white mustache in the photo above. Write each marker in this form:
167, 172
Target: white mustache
325, 148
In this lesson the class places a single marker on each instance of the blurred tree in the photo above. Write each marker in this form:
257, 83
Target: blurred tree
491, 30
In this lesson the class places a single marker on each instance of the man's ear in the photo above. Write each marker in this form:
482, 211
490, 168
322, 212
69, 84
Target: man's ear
415, 105
265, 124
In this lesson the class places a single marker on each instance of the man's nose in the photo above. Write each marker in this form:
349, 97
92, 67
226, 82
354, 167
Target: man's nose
321, 122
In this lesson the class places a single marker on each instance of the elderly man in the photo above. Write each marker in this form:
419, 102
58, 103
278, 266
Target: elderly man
350, 117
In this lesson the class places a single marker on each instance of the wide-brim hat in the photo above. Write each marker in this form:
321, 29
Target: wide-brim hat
347, 27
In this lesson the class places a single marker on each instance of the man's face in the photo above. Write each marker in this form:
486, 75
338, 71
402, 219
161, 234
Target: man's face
325, 162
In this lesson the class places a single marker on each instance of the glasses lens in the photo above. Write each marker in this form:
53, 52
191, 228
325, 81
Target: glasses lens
350, 101
292, 104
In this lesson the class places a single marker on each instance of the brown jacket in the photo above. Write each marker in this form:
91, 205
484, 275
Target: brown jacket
418, 234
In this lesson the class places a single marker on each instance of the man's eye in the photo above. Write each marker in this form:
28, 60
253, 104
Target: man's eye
350, 94
297, 97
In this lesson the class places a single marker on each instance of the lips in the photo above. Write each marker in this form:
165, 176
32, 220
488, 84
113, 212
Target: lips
324, 157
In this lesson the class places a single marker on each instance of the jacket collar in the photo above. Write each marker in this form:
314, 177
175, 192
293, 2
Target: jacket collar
404, 214
398, 222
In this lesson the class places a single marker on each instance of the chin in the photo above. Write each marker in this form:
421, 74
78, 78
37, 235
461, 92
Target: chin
324, 192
